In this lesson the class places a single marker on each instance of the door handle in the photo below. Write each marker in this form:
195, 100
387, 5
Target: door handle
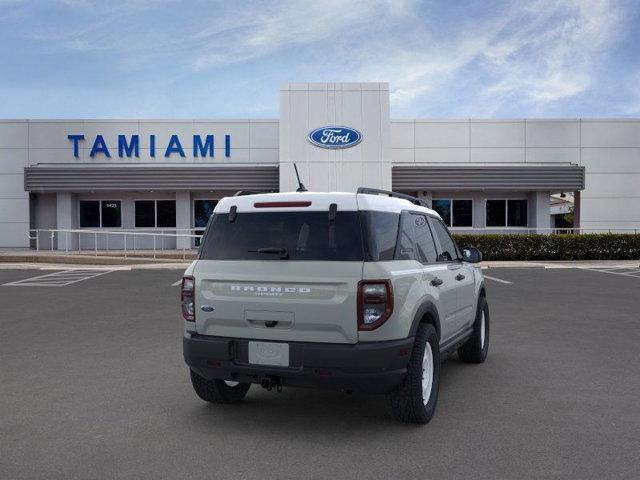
460, 277
436, 282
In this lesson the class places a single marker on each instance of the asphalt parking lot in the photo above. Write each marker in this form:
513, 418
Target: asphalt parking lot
92, 385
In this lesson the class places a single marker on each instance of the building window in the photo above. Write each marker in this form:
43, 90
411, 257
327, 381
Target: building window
456, 213
145, 213
100, 213
166, 213
155, 213
507, 213
90, 214
496, 213
517, 213
202, 211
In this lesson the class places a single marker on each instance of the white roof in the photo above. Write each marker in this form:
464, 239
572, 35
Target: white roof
319, 201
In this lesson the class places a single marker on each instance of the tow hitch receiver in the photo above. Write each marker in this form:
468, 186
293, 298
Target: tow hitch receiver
270, 382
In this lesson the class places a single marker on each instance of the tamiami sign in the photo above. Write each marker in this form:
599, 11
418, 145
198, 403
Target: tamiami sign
130, 146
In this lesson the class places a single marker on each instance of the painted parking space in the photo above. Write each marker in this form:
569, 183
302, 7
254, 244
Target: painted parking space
59, 278
621, 270
499, 280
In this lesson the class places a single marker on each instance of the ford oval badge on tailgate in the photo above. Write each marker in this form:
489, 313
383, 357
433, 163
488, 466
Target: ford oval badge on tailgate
207, 308
335, 137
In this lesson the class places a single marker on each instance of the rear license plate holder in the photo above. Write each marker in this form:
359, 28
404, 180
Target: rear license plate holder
269, 353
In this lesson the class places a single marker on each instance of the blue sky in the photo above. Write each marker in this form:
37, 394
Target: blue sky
227, 59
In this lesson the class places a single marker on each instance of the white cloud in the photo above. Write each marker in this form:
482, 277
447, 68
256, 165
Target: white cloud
553, 56
543, 53
284, 25
534, 53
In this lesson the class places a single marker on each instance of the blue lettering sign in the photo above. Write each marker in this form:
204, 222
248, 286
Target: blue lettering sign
174, 147
132, 147
152, 146
203, 149
335, 137
75, 139
99, 146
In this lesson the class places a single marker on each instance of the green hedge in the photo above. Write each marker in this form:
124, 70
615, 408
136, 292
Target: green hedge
588, 246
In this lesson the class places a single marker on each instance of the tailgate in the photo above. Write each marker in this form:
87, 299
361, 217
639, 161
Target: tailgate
305, 301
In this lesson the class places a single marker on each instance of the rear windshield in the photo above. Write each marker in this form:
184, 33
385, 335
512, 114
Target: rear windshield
294, 235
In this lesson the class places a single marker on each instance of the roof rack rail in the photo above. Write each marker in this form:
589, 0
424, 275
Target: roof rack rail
377, 191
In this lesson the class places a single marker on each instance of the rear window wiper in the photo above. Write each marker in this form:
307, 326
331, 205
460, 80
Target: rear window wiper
283, 252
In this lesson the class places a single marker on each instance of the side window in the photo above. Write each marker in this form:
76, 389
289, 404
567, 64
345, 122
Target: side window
405, 248
380, 233
424, 240
448, 251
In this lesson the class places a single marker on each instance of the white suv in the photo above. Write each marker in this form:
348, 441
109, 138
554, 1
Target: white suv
357, 292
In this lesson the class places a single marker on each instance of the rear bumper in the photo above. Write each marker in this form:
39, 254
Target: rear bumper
372, 367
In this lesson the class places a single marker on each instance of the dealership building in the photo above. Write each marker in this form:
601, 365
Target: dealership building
166, 175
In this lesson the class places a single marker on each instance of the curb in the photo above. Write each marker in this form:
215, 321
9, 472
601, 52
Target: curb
84, 260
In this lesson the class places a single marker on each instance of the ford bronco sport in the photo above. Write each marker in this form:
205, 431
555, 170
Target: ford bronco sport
362, 292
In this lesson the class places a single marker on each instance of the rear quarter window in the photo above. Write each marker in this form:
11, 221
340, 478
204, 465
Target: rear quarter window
380, 234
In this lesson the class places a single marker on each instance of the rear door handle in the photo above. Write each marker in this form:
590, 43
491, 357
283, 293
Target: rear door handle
460, 277
436, 282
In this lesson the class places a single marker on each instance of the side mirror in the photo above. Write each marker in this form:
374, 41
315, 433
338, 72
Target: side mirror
471, 255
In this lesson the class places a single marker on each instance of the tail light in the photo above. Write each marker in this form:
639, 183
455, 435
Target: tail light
375, 303
187, 298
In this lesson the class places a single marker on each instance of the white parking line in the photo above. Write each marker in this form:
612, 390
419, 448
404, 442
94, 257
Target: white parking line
634, 273
499, 280
58, 279
175, 284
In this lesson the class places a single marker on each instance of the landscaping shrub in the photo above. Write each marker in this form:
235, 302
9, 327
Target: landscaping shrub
587, 246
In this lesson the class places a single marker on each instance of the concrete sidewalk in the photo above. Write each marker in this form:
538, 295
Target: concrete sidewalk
170, 258
560, 264
89, 257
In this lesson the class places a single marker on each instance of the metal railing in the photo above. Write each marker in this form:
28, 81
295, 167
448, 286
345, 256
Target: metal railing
137, 241
83, 240
526, 230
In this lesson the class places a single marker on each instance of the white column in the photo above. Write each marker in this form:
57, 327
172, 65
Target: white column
427, 197
183, 219
541, 213
362, 106
66, 218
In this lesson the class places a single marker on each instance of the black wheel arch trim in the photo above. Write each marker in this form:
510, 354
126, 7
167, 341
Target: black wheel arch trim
482, 291
427, 308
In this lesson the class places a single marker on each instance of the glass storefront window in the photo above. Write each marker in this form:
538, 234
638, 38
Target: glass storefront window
166, 213
443, 207
145, 213
100, 213
111, 211
155, 213
202, 210
456, 213
516, 213
507, 213
462, 213
496, 213
89, 214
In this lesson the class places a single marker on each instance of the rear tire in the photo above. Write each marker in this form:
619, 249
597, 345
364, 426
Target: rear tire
476, 348
218, 391
414, 401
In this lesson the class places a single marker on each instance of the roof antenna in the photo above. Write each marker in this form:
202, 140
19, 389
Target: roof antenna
301, 187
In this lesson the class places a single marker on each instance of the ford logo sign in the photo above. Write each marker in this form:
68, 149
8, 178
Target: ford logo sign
335, 137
